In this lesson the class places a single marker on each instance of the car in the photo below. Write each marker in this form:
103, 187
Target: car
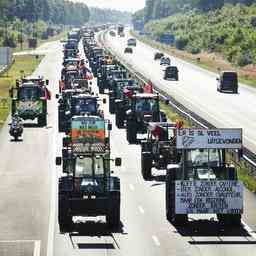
132, 42
165, 61
227, 82
158, 55
128, 50
171, 73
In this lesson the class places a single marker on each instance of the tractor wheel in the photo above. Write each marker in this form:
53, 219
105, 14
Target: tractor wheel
229, 220
101, 90
42, 120
113, 216
146, 165
119, 119
176, 219
111, 105
131, 132
65, 220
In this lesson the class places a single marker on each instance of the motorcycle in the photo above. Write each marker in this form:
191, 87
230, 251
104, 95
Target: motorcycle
16, 129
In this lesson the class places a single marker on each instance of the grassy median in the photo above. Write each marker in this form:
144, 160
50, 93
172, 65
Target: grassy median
23, 65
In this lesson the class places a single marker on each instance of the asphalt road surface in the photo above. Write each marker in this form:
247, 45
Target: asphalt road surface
28, 212
196, 89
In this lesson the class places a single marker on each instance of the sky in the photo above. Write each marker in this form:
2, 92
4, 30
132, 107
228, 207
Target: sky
123, 5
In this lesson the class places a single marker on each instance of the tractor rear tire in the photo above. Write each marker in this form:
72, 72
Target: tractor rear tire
42, 120
176, 219
65, 220
131, 132
119, 119
146, 165
113, 215
111, 105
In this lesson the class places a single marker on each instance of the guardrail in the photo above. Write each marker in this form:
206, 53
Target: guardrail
249, 157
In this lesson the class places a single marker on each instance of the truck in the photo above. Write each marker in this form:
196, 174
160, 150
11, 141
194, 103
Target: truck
88, 188
204, 181
29, 99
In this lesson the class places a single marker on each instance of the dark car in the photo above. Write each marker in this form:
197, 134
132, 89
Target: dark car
158, 55
171, 73
128, 50
228, 82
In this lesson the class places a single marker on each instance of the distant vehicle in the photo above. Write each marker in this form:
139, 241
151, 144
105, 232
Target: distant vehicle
228, 82
122, 34
120, 29
171, 73
132, 42
165, 61
128, 50
112, 33
158, 55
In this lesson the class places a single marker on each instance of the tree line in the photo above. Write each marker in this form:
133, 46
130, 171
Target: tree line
52, 11
100, 16
156, 9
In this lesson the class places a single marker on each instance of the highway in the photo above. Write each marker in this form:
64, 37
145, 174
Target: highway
196, 89
28, 214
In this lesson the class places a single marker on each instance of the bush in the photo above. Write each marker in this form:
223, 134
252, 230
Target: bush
194, 49
243, 59
181, 43
9, 42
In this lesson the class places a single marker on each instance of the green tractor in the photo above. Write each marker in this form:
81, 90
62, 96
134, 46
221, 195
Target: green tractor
29, 100
204, 182
144, 108
158, 150
88, 188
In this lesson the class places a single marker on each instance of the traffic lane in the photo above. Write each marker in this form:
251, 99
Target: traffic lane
25, 169
197, 94
145, 208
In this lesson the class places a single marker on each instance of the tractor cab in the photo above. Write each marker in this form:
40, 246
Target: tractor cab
87, 187
206, 176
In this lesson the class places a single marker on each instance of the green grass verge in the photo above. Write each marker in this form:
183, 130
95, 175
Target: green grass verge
25, 63
208, 63
58, 37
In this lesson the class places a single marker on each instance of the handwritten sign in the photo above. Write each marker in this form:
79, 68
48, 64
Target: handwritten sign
205, 196
207, 139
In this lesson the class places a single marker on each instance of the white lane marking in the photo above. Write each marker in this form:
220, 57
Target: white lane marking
156, 241
250, 231
37, 248
50, 241
131, 187
141, 209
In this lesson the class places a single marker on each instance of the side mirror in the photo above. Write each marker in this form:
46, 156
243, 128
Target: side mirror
57, 96
217, 79
110, 127
104, 101
167, 101
47, 82
58, 160
17, 83
90, 83
118, 161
